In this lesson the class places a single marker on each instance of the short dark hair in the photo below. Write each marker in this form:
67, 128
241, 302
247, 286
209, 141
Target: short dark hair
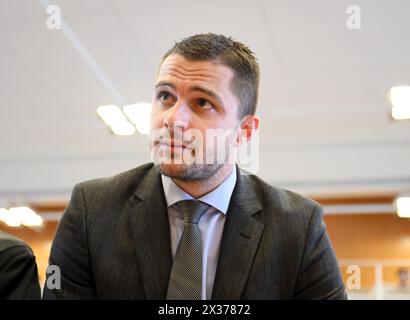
233, 54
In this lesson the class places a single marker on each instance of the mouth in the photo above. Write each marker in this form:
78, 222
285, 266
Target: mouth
171, 144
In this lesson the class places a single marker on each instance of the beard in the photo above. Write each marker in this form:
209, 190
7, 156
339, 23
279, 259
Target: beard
194, 171
190, 172
192, 166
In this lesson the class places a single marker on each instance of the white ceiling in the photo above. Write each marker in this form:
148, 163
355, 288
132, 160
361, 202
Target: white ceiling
325, 119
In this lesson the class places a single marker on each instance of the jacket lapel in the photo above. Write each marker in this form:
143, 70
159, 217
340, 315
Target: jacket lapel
240, 241
149, 223
150, 229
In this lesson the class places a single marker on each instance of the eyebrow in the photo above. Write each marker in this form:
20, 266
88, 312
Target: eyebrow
195, 88
164, 83
208, 92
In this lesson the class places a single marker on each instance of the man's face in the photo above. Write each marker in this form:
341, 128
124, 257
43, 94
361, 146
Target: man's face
192, 98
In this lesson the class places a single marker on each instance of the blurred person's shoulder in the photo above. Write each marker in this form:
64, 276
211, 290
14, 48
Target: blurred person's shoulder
12, 249
18, 270
7, 241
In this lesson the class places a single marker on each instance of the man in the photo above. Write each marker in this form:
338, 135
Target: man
18, 270
187, 228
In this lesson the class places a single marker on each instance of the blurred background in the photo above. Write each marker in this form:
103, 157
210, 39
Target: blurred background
328, 126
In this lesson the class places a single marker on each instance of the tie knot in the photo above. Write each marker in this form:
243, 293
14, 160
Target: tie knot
192, 210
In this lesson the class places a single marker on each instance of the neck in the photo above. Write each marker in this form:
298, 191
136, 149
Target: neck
198, 189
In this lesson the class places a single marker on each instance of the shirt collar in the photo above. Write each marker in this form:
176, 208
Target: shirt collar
219, 198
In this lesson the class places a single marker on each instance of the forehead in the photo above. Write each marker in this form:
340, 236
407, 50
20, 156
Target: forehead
178, 69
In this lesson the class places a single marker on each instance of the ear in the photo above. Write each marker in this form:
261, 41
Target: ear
249, 125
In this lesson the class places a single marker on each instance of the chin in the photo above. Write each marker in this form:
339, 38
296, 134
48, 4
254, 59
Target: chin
177, 171
190, 173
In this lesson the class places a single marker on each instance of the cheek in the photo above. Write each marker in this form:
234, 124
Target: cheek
232, 109
156, 117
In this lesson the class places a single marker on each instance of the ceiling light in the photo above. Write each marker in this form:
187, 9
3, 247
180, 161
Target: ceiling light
3, 214
400, 99
13, 218
17, 216
32, 221
403, 207
123, 128
400, 113
29, 218
139, 114
111, 114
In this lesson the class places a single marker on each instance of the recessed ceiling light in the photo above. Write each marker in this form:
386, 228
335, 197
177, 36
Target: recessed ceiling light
3, 214
32, 221
116, 120
400, 99
111, 114
403, 207
400, 113
139, 114
123, 128
18, 216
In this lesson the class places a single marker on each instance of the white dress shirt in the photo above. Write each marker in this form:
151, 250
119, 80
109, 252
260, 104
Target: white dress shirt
211, 224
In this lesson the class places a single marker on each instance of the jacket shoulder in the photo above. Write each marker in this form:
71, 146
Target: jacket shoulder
281, 201
119, 183
8, 241
105, 196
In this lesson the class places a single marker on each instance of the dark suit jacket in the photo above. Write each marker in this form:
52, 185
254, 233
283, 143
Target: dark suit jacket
18, 270
113, 242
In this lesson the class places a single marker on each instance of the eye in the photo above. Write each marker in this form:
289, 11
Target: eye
204, 104
163, 96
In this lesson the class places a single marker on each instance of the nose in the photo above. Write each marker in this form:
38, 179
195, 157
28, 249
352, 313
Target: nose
177, 116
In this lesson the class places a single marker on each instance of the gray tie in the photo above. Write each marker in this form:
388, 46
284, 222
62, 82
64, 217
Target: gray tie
185, 282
